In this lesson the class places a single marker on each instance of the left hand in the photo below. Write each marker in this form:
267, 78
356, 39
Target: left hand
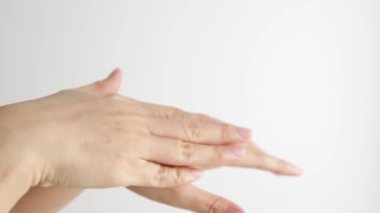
54, 198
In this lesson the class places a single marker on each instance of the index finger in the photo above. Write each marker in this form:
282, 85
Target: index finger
193, 127
198, 129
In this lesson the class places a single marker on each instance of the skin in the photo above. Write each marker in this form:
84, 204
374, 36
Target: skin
91, 137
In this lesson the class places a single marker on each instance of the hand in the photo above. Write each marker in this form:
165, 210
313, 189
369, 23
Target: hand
189, 197
86, 138
192, 198
178, 196
52, 199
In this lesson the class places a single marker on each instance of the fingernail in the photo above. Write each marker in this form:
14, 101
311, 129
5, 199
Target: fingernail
196, 174
236, 152
244, 133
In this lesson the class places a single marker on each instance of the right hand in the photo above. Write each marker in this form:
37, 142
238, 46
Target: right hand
90, 137
93, 162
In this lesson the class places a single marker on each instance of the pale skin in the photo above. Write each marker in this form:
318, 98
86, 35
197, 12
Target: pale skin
54, 147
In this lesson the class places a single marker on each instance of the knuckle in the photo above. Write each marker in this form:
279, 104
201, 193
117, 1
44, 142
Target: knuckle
185, 150
163, 177
201, 117
226, 130
172, 112
177, 177
99, 85
191, 129
160, 175
260, 161
216, 205
218, 153
114, 97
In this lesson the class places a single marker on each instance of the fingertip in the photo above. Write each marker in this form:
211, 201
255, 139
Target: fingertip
117, 71
115, 74
235, 211
234, 208
295, 170
290, 170
113, 81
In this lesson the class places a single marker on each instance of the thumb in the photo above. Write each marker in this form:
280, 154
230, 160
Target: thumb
111, 84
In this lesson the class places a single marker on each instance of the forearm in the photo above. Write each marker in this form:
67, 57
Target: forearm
46, 200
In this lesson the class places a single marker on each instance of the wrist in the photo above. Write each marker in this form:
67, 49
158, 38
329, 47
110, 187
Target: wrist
17, 168
15, 180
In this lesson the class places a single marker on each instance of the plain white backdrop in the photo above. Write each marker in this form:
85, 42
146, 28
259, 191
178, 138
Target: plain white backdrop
303, 74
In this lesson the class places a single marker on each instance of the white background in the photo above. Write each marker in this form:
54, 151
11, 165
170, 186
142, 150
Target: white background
303, 74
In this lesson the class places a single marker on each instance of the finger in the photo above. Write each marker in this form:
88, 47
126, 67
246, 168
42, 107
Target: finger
196, 129
182, 153
256, 158
157, 175
189, 197
111, 84
169, 112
